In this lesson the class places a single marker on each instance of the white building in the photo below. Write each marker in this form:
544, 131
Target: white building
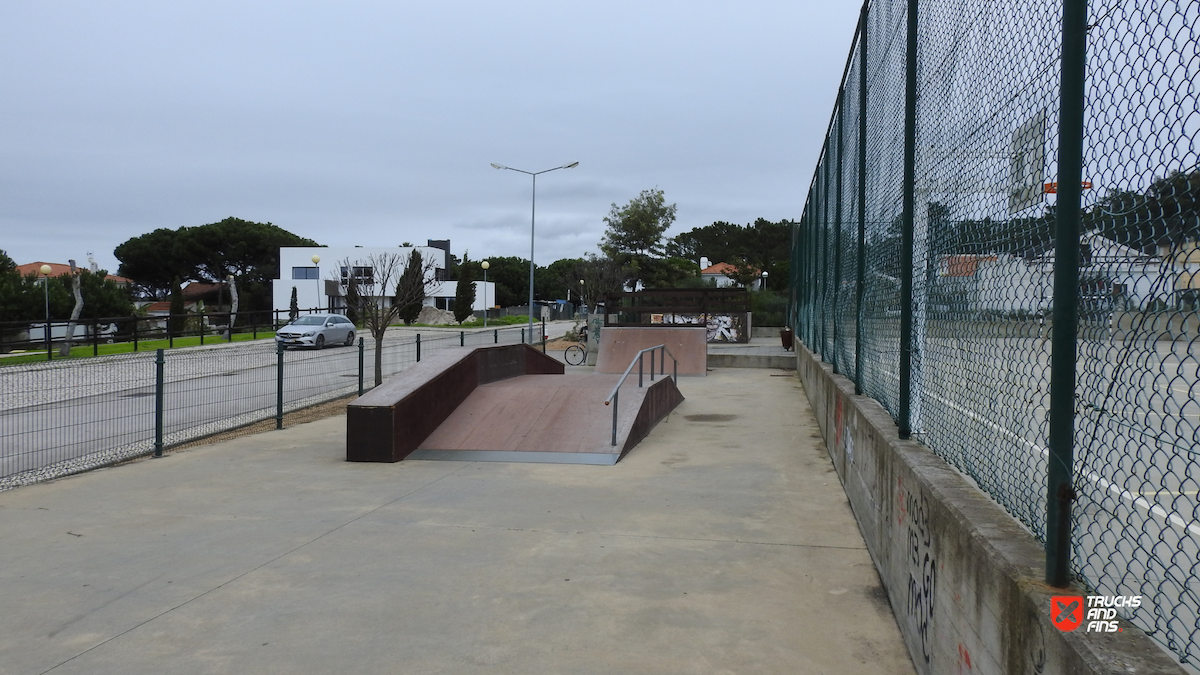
319, 284
1110, 273
718, 274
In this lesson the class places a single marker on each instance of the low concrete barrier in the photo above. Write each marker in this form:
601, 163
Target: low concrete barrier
964, 579
765, 332
390, 421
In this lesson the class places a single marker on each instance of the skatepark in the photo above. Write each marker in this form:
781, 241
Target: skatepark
722, 542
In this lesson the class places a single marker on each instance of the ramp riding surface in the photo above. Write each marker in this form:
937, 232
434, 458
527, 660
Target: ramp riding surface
533, 418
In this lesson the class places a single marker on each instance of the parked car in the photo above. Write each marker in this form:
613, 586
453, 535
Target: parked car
316, 331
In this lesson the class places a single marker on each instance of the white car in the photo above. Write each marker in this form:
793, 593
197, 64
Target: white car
316, 331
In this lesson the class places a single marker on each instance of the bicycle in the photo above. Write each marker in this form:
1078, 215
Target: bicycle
576, 354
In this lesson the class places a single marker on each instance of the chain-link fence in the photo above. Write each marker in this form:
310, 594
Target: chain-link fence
924, 268
63, 417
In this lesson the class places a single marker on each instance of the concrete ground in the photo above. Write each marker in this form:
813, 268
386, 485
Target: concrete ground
722, 544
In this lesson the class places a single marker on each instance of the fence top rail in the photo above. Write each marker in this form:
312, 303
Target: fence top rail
636, 358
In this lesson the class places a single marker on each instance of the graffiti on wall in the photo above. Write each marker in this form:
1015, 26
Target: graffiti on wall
718, 327
912, 516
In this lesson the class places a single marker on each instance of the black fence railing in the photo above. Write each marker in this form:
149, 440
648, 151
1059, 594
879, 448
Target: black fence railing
71, 415
139, 332
1001, 245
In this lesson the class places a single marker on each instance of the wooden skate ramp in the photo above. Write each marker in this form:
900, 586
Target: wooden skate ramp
503, 404
618, 346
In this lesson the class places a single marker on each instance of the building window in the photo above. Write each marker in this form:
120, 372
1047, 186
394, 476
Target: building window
362, 275
305, 273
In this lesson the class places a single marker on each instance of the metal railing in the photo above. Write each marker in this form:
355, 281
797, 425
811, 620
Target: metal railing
613, 396
68, 416
1001, 245
137, 331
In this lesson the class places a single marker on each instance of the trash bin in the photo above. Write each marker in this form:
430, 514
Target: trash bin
785, 336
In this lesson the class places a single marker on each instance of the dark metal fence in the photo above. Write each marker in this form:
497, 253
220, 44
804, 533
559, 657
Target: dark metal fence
138, 332
67, 416
1001, 244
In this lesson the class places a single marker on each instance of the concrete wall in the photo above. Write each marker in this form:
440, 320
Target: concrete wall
964, 579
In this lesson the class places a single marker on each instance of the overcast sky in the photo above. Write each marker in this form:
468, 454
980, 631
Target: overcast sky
374, 123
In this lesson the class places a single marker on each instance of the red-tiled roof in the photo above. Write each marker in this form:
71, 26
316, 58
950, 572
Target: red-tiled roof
199, 289
965, 265
720, 268
59, 269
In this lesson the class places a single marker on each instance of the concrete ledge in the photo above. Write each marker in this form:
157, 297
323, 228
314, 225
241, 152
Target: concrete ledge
964, 579
390, 421
751, 361
765, 332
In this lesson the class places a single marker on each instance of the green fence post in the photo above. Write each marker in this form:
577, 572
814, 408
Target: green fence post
860, 273
462, 338
361, 351
135, 334
837, 233
418, 347
95, 337
1060, 491
543, 335
906, 236
810, 255
279, 386
825, 227
496, 336
159, 362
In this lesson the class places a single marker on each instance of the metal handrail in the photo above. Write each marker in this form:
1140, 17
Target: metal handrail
638, 358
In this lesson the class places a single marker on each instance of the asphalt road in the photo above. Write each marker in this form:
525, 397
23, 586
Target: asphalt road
66, 411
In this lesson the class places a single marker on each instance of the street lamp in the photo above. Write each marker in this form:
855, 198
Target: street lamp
485, 265
532, 221
45, 270
317, 261
763, 285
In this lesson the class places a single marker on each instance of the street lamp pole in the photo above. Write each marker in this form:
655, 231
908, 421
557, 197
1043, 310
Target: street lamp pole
532, 223
45, 270
317, 261
485, 265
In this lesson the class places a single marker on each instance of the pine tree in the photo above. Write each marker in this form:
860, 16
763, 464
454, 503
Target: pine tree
294, 307
411, 288
464, 292
177, 320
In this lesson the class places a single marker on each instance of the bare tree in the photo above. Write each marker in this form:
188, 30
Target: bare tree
601, 277
66, 346
375, 292
233, 304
